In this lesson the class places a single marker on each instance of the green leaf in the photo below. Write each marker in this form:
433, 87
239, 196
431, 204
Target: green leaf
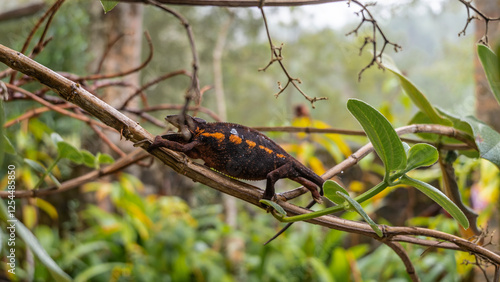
54, 179
108, 5
104, 158
491, 66
67, 151
8, 147
421, 155
88, 158
331, 188
438, 197
380, 132
34, 245
272, 204
355, 206
487, 140
416, 95
35, 165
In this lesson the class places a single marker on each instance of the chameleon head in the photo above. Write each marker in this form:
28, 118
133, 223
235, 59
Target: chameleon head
191, 122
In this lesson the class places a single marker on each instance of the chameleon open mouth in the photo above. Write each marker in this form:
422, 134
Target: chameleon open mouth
174, 120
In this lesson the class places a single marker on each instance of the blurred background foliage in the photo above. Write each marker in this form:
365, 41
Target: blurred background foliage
119, 230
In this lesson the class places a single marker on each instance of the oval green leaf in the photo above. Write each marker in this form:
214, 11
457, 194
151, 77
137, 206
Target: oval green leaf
487, 140
104, 158
421, 155
67, 151
438, 197
108, 5
380, 132
275, 206
35, 165
330, 188
88, 158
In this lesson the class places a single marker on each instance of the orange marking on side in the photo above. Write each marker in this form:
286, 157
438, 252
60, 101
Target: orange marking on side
269, 151
280, 156
216, 135
251, 144
199, 131
235, 139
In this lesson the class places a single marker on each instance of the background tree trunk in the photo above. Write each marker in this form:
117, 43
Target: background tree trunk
116, 46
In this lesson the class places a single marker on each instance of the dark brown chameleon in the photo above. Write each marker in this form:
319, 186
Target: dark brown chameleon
240, 152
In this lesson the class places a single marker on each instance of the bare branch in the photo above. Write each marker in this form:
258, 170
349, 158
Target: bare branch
367, 17
124, 73
478, 16
277, 57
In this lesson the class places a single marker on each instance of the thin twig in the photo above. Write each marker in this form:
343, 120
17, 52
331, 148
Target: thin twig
124, 73
367, 17
478, 16
33, 113
153, 82
49, 13
277, 57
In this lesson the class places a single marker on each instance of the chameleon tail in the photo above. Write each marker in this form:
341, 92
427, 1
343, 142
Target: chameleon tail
288, 225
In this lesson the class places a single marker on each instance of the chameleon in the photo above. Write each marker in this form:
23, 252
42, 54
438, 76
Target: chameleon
238, 151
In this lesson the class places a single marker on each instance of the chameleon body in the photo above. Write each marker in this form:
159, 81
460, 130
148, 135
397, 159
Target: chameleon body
240, 152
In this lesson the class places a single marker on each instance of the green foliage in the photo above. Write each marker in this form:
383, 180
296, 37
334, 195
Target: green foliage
491, 66
33, 244
108, 5
159, 237
487, 140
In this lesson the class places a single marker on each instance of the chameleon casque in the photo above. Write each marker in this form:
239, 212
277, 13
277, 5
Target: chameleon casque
240, 152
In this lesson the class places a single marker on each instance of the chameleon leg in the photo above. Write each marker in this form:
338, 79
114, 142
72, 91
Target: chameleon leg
172, 145
275, 175
311, 186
